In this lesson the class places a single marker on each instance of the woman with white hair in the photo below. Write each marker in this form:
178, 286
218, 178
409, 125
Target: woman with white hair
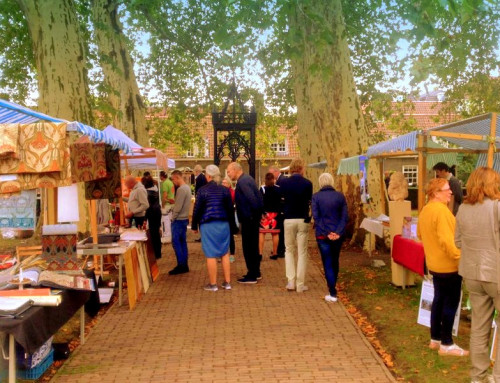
329, 210
214, 214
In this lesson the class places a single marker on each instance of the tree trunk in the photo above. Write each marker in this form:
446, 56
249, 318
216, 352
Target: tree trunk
329, 116
60, 63
119, 78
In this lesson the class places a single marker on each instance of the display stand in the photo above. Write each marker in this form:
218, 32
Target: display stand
397, 211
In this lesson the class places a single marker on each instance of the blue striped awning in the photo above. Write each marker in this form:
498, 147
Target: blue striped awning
402, 143
14, 113
479, 125
349, 165
482, 161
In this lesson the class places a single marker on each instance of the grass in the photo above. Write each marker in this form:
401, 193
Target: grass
388, 317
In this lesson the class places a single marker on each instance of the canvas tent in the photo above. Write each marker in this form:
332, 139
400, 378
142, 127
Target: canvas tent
139, 158
479, 135
14, 113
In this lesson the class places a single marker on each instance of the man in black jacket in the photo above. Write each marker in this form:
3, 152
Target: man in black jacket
249, 207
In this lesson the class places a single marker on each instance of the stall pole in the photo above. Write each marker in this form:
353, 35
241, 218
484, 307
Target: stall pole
51, 206
492, 143
82, 324
93, 230
382, 188
12, 359
422, 169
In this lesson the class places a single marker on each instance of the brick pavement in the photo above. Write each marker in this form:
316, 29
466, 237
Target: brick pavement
258, 333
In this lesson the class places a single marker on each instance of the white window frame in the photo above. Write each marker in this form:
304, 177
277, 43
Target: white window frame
411, 174
192, 152
280, 147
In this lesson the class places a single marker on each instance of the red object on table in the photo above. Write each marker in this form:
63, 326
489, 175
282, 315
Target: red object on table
409, 253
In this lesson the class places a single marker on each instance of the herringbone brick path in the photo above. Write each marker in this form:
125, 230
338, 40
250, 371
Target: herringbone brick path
253, 333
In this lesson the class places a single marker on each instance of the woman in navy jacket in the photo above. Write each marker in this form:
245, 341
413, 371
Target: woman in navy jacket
329, 210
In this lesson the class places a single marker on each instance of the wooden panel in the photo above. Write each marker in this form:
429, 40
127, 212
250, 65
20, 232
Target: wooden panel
144, 266
131, 282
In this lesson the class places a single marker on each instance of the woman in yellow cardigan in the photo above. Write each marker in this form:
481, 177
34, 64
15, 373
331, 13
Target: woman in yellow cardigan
436, 229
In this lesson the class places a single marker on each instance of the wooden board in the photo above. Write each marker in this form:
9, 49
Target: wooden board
131, 280
144, 266
137, 273
153, 265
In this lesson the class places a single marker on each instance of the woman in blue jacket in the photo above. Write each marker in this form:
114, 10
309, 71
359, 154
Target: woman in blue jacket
329, 210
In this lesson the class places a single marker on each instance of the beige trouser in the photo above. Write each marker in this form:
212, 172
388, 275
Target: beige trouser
296, 235
484, 299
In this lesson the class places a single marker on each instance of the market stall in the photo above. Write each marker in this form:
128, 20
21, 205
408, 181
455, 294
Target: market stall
479, 135
37, 152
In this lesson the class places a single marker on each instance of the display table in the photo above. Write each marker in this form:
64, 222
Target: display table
373, 226
409, 254
101, 250
36, 325
140, 266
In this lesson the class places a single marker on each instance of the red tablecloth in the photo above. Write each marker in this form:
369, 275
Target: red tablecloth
408, 253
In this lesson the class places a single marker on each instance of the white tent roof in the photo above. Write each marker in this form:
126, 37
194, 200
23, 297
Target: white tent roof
146, 158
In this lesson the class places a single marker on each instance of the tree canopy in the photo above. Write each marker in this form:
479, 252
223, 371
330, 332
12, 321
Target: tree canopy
187, 51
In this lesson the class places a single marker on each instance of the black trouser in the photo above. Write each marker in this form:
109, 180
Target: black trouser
447, 288
232, 246
250, 242
281, 244
154, 222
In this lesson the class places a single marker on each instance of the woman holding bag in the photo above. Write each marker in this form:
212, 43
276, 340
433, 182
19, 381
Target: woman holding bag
436, 228
477, 235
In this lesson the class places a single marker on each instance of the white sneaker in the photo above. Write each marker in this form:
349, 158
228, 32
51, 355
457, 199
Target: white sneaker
302, 289
290, 286
487, 379
329, 298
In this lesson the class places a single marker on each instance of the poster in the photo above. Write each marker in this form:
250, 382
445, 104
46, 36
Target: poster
424, 309
362, 180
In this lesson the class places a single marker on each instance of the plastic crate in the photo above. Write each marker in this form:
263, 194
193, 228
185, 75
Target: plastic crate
26, 361
35, 373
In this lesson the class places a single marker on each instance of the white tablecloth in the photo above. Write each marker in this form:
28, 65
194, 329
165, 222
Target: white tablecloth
373, 226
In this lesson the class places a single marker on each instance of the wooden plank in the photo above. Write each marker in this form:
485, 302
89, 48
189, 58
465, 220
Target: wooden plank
382, 186
492, 145
447, 150
145, 275
131, 283
395, 154
153, 265
137, 274
465, 136
422, 165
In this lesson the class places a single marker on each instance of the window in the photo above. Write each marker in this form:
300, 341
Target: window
192, 152
279, 147
411, 174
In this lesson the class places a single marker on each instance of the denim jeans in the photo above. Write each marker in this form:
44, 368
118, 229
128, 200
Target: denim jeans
179, 242
447, 288
330, 251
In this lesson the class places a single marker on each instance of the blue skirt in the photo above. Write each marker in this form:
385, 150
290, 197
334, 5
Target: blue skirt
215, 238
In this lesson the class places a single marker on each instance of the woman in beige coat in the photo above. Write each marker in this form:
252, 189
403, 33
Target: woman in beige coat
476, 233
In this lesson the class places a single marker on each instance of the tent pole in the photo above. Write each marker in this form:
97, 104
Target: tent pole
93, 227
492, 143
382, 185
422, 169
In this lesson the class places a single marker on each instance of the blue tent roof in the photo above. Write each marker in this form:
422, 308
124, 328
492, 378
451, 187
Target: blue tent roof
14, 113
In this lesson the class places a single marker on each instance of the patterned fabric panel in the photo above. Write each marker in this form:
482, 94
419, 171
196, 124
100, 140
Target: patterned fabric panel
88, 161
41, 149
18, 211
109, 187
29, 181
9, 134
59, 251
